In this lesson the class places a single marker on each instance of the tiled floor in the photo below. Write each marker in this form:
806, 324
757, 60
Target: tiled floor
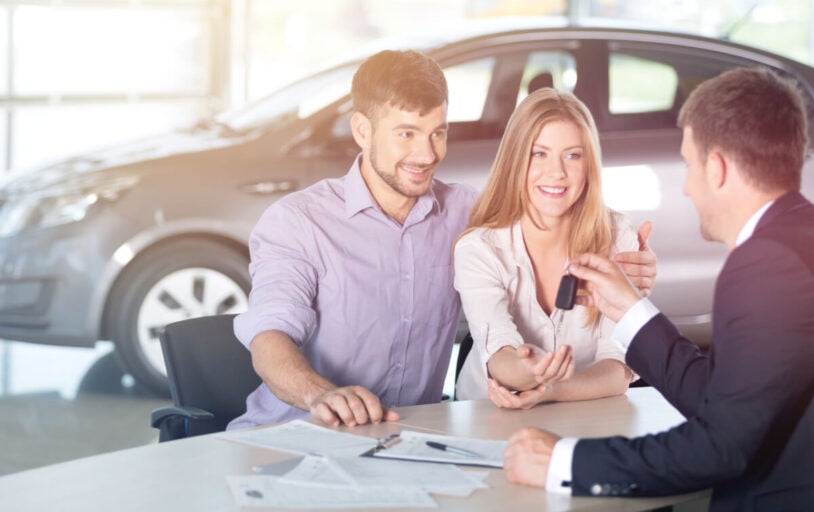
59, 404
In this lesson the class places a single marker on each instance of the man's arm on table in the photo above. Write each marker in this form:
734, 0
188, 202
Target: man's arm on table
289, 375
284, 285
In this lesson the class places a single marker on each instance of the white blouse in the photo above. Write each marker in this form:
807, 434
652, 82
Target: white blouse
495, 278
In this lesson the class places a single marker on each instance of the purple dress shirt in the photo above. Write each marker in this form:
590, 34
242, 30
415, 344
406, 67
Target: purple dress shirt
368, 301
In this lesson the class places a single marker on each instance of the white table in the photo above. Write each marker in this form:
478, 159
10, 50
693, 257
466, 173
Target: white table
190, 474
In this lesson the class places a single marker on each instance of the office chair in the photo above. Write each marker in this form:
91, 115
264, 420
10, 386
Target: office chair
210, 374
463, 350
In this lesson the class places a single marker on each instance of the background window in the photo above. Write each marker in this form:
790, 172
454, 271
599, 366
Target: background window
133, 50
468, 85
561, 66
629, 94
76, 129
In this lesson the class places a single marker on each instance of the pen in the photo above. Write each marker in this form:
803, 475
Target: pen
453, 449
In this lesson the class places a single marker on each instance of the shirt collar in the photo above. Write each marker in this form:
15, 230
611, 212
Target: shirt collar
358, 196
749, 228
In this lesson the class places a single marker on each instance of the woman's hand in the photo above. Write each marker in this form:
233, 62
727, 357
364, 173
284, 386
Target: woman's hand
547, 367
502, 397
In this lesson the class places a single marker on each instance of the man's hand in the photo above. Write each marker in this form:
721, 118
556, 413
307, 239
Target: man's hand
640, 266
351, 405
528, 455
608, 287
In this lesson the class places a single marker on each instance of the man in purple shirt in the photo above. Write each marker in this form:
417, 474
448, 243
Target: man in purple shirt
352, 309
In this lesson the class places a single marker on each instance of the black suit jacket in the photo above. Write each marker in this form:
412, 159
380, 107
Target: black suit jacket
749, 432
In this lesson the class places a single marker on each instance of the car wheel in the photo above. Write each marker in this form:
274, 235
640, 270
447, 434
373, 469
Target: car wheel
179, 280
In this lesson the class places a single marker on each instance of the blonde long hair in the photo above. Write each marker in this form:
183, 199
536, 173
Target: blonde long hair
505, 198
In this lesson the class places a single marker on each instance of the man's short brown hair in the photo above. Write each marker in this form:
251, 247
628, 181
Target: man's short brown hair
407, 80
757, 118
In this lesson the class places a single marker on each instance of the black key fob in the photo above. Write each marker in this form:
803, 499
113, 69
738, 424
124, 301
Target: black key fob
567, 292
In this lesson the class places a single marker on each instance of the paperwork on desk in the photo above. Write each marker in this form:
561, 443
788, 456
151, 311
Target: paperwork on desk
333, 475
275, 491
301, 437
413, 446
325, 482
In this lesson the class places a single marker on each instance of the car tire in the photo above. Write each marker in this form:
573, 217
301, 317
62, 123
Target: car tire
177, 280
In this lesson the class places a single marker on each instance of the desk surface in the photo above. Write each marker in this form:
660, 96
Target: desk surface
191, 474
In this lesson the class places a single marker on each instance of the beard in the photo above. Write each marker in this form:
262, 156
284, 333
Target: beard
394, 180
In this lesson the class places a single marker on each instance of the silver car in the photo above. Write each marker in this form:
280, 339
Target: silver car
115, 244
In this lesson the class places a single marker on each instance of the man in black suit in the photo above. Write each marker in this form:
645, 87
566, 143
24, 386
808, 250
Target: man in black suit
749, 432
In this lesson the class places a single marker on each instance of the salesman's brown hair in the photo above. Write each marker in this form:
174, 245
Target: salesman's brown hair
757, 118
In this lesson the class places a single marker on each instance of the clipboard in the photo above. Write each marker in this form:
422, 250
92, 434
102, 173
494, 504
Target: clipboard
412, 446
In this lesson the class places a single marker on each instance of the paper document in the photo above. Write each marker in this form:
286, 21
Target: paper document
301, 437
371, 472
413, 446
275, 491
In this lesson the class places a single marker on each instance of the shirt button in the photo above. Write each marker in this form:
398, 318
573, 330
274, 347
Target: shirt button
407, 275
596, 489
405, 319
398, 365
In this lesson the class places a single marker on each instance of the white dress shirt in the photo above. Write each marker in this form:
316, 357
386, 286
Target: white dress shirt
495, 278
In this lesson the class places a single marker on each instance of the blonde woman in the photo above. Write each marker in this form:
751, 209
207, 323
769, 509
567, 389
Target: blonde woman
542, 206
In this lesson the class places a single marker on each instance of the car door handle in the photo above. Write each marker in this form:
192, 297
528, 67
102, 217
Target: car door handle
269, 187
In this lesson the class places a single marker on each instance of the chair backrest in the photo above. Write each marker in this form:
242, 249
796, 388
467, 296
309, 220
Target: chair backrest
208, 368
463, 351
544, 79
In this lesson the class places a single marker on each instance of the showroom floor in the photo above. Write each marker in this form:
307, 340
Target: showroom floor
59, 404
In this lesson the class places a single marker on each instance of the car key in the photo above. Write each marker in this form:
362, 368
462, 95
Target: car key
567, 292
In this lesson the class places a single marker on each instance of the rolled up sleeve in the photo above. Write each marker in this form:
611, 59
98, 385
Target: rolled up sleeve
284, 277
484, 298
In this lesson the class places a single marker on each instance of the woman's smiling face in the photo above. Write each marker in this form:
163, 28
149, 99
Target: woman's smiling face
557, 171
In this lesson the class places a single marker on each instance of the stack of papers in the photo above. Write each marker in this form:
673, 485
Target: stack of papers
355, 482
332, 474
301, 437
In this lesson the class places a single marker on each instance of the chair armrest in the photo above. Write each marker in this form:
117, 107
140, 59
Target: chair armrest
193, 413
172, 421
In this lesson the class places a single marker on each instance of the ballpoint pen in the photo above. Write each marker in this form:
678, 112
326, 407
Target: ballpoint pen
453, 449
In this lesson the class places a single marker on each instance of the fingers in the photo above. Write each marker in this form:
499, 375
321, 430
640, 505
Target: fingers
503, 398
351, 405
639, 262
553, 366
390, 414
644, 233
527, 457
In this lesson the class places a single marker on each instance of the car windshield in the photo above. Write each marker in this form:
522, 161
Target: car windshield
295, 101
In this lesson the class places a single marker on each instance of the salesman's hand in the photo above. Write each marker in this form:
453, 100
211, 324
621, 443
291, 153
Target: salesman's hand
351, 405
608, 287
640, 266
528, 455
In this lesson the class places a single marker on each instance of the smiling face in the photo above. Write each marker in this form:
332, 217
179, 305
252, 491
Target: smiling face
402, 150
557, 172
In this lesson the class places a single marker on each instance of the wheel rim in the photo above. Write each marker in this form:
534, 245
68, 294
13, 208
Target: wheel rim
186, 293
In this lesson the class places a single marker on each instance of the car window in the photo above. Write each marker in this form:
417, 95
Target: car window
640, 85
296, 101
648, 83
556, 69
468, 85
